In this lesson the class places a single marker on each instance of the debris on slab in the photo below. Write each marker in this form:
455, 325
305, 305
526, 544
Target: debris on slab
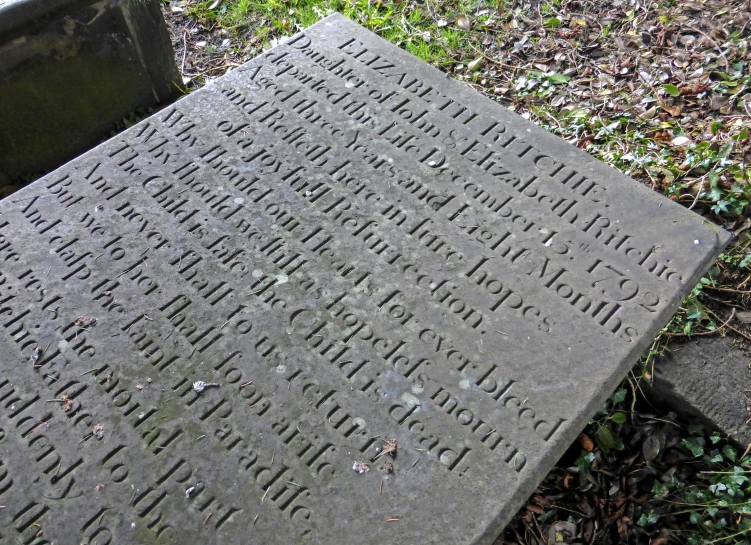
98, 431
390, 448
199, 385
35, 353
83, 321
360, 467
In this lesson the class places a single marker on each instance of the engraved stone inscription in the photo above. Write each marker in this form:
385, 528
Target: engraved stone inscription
333, 297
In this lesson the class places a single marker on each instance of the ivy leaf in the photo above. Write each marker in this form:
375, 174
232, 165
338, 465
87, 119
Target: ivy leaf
606, 439
618, 418
672, 90
721, 207
694, 447
727, 450
558, 79
618, 396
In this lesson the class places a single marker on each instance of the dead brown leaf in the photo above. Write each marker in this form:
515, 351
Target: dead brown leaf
586, 442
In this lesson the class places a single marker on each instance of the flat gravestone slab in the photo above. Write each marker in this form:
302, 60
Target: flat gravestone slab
210, 320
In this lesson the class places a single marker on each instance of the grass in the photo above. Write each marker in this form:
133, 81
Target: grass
401, 24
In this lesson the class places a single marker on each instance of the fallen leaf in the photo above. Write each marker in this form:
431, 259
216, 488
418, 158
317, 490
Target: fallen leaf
651, 447
674, 110
649, 114
536, 509
476, 64
680, 141
462, 22
586, 442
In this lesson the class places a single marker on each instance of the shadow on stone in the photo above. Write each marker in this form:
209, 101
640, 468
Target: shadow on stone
70, 71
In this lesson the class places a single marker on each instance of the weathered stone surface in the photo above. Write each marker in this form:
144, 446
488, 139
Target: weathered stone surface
70, 70
332, 247
708, 379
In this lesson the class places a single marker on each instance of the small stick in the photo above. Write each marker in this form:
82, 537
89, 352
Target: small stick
294, 483
501, 332
413, 465
38, 425
273, 455
748, 449
246, 384
90, 371
255, 519
264, 494
207, 519
201, 437
393, 519
133, 267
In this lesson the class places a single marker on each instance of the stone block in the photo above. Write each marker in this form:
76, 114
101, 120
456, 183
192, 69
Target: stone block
707, 378
70, 71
